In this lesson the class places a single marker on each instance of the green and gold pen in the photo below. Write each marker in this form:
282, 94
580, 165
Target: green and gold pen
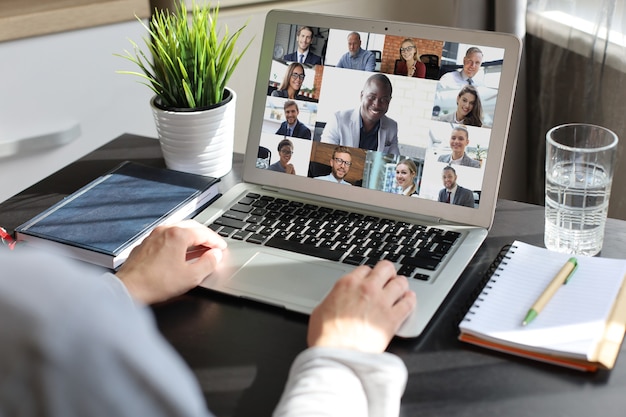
561, 279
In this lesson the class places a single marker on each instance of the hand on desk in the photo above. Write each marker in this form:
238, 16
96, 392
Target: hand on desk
363, 311
157, 269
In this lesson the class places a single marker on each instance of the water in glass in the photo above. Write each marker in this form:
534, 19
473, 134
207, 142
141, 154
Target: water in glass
577, 200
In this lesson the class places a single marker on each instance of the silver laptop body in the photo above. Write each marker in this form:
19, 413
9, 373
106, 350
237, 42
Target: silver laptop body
423, 112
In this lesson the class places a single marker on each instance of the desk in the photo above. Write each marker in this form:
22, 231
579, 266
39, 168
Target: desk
241, 351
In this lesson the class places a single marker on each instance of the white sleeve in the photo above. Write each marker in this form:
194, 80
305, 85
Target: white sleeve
341, 382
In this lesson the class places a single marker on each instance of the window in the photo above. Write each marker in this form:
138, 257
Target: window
587, 27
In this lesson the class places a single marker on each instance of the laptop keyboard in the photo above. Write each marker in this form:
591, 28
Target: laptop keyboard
336, 235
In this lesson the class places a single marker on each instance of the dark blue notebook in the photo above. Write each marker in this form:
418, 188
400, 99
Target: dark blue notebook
103, 221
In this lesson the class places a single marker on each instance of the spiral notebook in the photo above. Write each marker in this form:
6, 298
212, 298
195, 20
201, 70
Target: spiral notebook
581, 327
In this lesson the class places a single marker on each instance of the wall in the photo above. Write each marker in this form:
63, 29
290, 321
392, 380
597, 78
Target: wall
62, 98
26, 18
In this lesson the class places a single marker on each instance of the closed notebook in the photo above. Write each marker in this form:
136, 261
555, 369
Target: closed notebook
104, 220
582, 326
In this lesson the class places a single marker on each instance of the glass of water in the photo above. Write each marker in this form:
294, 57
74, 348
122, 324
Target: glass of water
580, 160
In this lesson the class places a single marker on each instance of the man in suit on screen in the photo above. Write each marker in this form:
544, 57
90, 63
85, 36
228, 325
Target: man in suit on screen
303, 55
452, 193
292, 126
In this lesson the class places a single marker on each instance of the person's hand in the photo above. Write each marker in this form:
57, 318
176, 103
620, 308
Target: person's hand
363, 311
158, 269
290, 169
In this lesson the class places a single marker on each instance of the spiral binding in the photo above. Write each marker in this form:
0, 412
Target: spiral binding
490, 276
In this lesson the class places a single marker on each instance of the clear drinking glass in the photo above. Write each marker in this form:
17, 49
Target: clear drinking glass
580, 160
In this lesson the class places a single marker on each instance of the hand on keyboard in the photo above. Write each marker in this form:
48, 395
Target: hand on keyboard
363, 311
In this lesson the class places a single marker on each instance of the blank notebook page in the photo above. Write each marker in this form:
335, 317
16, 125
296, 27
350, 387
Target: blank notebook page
572, 322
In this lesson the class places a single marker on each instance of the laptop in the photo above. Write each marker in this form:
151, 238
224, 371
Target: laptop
365, 174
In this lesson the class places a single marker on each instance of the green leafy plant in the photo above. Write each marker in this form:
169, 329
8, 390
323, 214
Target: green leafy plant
191, 63
480, 153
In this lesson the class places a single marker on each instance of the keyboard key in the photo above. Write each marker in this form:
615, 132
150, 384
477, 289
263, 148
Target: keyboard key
393, 257
272, 215
269, 222
304, 213
253, 228
305, 249
360, 250
254, 219
224, 221
311, 240
421, 262
256, 238
442, 248
226, 231
343, 247
450, 237
317, 215
406, 270
296, 237
376, 254
247, 200
326, 244
273, 207
240, 235
421, 277
297, 228
243, 208
354, 259
328, 234
231, 214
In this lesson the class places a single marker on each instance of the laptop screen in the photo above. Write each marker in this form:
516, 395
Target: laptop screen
409, 116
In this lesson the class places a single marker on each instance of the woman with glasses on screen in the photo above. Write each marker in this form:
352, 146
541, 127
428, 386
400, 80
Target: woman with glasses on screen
409, 63
285, 150
292, 82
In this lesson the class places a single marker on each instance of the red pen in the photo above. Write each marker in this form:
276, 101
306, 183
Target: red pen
7, 239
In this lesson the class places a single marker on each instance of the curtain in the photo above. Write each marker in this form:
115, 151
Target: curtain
576, 72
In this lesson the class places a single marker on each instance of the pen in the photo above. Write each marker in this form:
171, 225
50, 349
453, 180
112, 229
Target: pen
7, 239
561, 279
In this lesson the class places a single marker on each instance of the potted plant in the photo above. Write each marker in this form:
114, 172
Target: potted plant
480, 154
190, 68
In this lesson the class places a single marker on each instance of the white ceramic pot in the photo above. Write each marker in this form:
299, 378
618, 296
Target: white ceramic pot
200, 142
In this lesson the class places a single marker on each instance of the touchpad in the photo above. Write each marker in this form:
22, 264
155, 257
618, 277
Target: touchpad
285, 281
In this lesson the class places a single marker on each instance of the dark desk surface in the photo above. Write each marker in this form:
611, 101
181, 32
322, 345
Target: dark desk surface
241, 351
